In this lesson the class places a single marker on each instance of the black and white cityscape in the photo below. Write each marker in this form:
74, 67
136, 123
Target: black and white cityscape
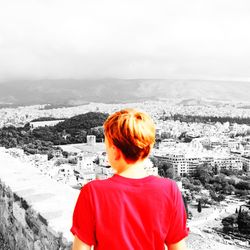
65, 66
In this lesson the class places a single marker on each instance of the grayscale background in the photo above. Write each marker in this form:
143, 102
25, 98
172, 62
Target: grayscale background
61, 58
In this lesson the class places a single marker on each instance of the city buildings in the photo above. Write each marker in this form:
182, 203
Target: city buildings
224, 145
185, 158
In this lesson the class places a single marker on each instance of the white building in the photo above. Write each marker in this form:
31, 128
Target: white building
91, 140
228, 162
167, 143
176, 160
187, 158
85, 166
103, 170
65, 172
103, 160
246, 162
85, 161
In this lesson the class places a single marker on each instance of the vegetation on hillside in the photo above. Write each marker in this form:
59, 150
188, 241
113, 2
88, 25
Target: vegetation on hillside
42, 139
41, 119
239, 222
206, 119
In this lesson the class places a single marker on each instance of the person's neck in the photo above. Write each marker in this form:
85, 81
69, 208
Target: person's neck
136, 170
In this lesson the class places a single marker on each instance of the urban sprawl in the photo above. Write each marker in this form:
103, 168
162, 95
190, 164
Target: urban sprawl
204, 146
222, 145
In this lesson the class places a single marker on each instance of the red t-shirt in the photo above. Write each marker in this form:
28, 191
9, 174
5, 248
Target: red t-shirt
125, 213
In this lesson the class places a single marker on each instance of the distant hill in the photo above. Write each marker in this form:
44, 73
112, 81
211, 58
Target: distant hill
82, 122
200, 102
76, 92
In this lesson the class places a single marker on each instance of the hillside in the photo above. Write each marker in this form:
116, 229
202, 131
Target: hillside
76, 92
82, 122
42, 139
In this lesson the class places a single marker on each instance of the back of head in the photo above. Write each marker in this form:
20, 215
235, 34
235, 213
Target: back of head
132, 131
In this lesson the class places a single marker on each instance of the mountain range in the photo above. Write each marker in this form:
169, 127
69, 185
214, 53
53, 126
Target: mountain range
77, 92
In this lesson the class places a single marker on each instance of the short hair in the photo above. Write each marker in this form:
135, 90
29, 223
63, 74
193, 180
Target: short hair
132, 131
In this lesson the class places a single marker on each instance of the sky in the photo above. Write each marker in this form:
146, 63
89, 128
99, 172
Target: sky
58, 39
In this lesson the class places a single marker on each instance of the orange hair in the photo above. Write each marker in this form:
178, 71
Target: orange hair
132, 131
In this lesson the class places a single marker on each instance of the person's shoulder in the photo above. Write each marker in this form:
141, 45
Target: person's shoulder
165, 181
168, 185
96, 183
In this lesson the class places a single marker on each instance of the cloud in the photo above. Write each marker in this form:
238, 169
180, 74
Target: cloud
127, 39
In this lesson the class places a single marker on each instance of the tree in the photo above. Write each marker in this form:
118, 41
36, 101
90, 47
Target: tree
229, 223
165, 165
72, 160
241, 192
227, 172
205, 200
65, 154
50, 156
244, 222
98, 132
231, 182
239, 211
165, 169
243, 185
177, 178
199, 207
221, 197
217, 187
216, 169
197, 182
204, 173
169, 173
185, 203
161, 172
60, 161
230, 189
218, 198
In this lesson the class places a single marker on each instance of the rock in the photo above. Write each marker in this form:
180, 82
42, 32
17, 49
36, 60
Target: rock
207, 230
227, 237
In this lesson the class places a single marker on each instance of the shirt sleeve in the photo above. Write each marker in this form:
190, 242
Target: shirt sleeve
83, 218
178, 229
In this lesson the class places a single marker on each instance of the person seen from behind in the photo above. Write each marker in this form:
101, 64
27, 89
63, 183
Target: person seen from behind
131, 210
